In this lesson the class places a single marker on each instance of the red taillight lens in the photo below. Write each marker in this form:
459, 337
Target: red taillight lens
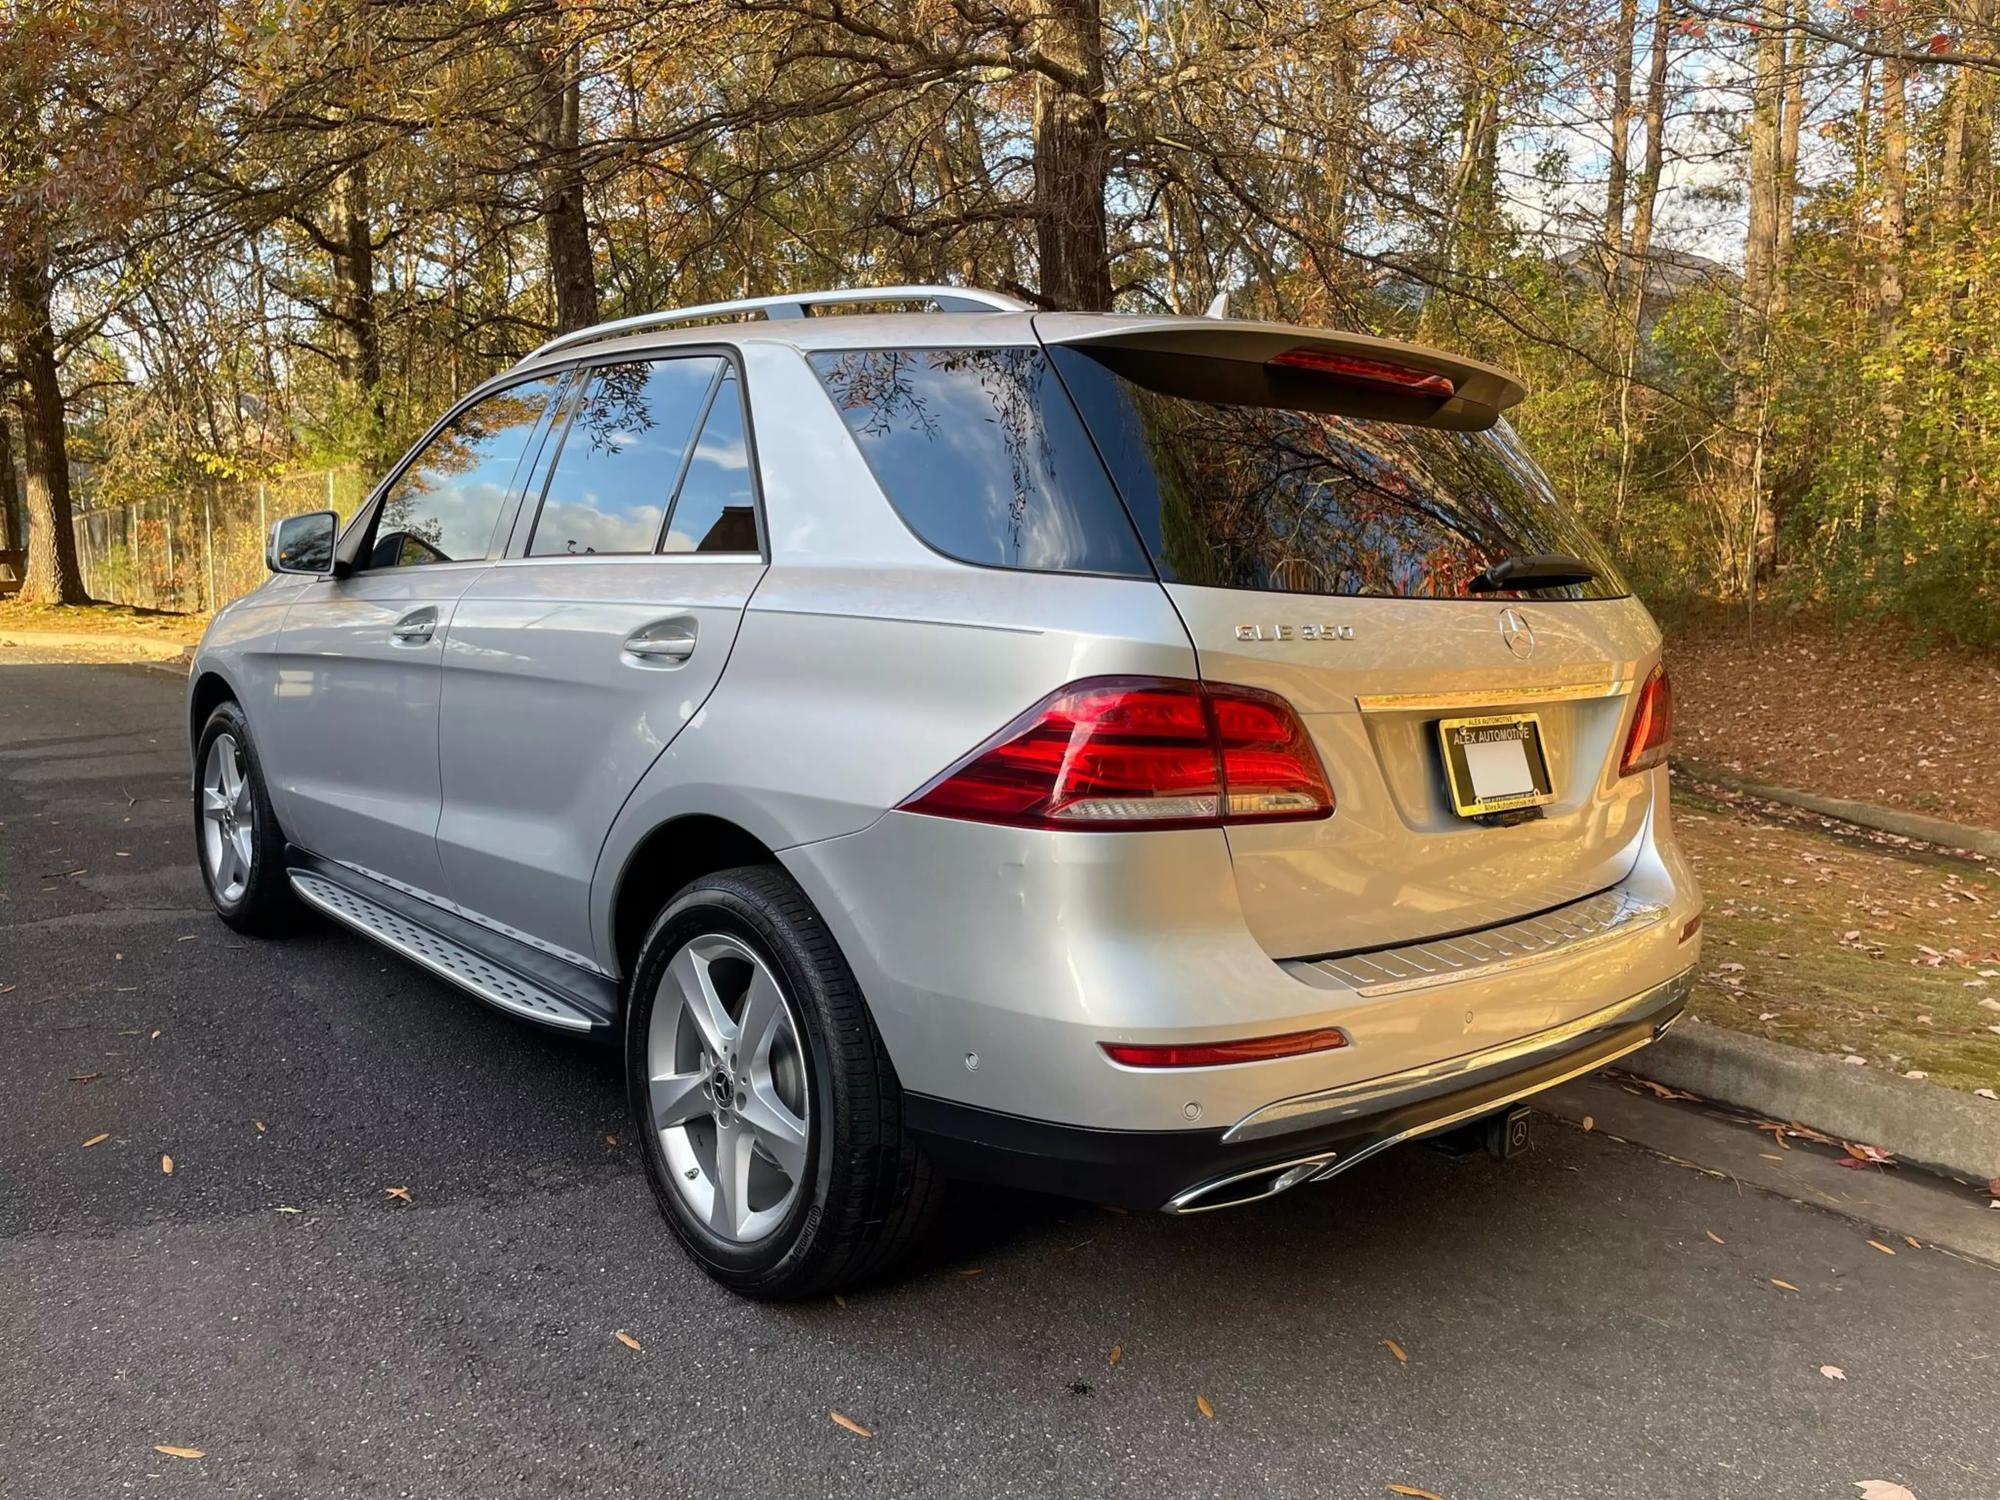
1652, 725
1139, 752
1355, 368
1213, 1054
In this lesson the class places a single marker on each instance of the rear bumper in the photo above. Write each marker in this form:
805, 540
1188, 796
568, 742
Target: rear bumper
1304, 1139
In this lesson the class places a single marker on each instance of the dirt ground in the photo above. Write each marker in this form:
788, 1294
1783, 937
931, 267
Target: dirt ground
1850, 711
1846, 944
109, 620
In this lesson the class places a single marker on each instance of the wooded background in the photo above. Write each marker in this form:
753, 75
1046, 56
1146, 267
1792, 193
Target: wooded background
1744, 253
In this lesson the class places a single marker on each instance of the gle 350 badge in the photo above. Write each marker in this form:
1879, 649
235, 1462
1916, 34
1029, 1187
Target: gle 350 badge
1309, 631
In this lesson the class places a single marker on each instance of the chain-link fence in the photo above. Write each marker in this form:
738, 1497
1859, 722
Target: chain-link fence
195, 551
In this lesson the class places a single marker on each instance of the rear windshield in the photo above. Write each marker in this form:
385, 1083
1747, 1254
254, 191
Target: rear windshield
982, 455
1317, 502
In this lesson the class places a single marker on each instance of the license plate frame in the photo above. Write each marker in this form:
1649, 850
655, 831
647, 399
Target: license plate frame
1455, 734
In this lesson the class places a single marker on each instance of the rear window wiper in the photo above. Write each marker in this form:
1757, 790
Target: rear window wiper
1545, 570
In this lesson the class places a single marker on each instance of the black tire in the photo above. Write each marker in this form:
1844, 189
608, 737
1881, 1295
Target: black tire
265, 905
868, 1195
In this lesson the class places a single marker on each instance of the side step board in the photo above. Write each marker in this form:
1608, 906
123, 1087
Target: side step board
496, 968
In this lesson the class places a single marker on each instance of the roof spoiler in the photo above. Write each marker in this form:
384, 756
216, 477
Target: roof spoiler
1278, 364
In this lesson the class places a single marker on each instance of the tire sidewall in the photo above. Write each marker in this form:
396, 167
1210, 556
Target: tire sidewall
695, 912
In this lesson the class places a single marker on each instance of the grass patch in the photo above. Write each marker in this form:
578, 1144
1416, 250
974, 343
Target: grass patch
115, 620
1847, 946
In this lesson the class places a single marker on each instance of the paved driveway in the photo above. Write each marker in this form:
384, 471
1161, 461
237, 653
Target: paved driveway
1570, 1325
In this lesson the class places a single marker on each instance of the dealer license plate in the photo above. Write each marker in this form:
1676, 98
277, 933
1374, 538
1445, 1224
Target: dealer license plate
1495, 763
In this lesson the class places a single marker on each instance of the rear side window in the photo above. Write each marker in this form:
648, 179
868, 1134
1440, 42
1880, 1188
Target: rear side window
1316, 502
621, 456
983, 456
716, 510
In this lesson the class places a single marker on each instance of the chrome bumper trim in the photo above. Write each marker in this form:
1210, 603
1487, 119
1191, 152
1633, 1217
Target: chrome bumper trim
1372, 1095
1567, 930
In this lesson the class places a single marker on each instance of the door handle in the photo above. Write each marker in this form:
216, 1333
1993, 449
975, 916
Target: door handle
416, 627
667, 641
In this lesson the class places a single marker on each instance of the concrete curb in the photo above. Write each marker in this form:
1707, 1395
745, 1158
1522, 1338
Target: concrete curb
1983, 841
1921, 1123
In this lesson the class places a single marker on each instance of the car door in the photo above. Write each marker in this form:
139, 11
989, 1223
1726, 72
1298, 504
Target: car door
573, 663
354, 739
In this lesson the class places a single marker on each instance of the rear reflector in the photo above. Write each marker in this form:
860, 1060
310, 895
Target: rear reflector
1652, 725
1139, 752
1357, 370
1211, 1054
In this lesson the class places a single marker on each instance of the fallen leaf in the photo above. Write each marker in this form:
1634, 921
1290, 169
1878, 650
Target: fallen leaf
1589, 1124
1785, 1284
1882, 1247
1714, 1236
166, 1164
1984, 1094
1833, 1372
98, 1140
1913, 1242
401, 1193
283, 1209
260, 1126
1201, 1405
1413, 1492
1882, 1489
84, 1077
626, 1339
154, 1037
838, 1300
1117, 1353
172, 1452
850, 1424
611, 1140
1396, 1349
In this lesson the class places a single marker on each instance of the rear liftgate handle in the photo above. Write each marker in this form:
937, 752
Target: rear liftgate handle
665, 643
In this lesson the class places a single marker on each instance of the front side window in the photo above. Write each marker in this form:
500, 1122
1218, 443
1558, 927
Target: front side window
621, 456
1297, 501
983, 457
445, 504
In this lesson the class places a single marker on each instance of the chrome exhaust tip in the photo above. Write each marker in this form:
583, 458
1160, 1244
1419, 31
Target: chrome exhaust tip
1249, 1187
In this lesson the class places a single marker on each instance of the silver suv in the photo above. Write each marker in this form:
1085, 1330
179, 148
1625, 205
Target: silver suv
1161, 760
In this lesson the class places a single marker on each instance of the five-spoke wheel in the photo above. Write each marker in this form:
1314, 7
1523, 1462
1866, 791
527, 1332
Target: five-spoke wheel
727, 1088
229, 826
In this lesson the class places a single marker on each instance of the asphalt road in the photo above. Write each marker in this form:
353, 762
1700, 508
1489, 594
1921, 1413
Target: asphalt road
1569, 1324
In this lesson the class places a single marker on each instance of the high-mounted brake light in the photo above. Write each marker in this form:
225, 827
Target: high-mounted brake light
1139, 752
1213, 1054
1359, 370
1652, 725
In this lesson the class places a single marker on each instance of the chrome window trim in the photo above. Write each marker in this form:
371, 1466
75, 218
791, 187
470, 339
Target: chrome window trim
1498, 698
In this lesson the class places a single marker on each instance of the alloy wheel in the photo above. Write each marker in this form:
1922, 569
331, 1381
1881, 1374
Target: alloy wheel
229, 819
727, 1088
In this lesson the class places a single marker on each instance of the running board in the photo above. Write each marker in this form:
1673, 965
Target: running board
524, 983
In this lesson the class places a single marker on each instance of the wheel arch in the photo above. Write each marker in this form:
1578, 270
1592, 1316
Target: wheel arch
678, 851
208, 692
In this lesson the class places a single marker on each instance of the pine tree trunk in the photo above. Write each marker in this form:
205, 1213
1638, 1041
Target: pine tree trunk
52, 576
354, 284
13, 528
1760, 272
1071, 157
565, 216
1621, 140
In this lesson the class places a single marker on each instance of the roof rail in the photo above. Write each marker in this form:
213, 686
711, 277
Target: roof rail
791, 305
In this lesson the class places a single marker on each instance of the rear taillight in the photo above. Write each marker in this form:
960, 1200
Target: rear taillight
1652, 725
1358, 370
1139, 752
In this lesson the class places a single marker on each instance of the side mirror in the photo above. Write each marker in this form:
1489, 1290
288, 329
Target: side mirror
303, 544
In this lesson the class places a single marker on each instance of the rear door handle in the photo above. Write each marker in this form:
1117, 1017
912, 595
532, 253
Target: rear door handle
416, 627
664, 641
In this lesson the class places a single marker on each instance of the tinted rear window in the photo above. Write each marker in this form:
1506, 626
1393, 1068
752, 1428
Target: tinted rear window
1317, 502
982, 454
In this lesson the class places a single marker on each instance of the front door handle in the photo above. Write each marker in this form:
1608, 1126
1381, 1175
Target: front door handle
416, 627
